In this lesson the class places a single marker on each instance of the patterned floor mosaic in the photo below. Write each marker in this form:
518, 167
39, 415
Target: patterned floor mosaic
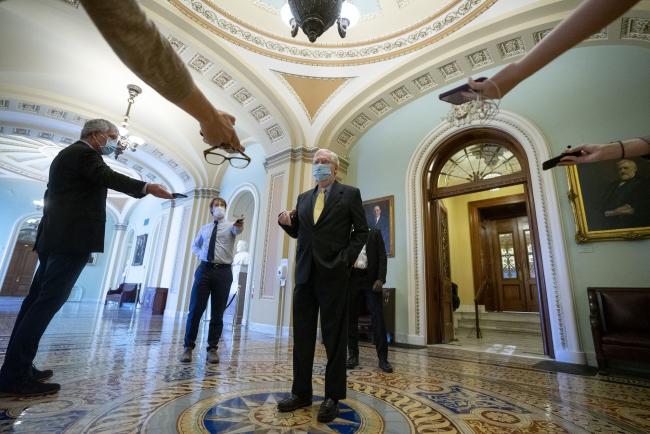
119, 374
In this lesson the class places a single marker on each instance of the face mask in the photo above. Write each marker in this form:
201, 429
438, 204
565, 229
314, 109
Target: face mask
219, 212
109, 147
321, 171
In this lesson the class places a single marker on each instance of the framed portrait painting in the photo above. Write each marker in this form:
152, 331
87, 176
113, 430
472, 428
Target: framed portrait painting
140, 247
380, 215
611, 199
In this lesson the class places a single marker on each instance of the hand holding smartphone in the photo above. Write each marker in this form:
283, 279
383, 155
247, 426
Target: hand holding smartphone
461, 94
549, 164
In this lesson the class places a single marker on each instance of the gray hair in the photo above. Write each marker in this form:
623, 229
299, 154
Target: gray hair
334, 158
97, 126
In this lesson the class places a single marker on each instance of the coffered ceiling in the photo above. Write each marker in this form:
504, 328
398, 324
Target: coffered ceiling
284, 92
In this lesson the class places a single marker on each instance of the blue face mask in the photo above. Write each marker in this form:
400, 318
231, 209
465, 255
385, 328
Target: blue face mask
321, 171
109, 147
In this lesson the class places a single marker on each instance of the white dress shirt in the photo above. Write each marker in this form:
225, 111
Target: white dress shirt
224, 245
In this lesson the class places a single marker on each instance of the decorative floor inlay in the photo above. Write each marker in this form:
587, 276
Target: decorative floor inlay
119, 373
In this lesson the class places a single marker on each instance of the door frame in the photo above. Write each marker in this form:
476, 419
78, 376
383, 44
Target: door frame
432, 193
11, 243
474, 209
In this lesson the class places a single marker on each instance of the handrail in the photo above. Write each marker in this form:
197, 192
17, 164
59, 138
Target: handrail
477, 297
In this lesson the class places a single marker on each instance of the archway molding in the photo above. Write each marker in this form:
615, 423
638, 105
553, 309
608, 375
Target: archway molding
562, 313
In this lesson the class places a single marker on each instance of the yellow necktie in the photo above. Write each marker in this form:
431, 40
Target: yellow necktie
320, 204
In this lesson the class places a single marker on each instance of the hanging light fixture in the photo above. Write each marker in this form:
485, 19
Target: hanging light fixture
316, 16
127, 141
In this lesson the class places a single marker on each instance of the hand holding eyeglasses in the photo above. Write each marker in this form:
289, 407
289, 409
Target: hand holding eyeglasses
218, 131
214, 157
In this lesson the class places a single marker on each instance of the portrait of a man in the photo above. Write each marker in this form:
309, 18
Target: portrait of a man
612, 199
140, 247
379, 215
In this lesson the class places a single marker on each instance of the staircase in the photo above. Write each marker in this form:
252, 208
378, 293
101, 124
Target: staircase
526, 323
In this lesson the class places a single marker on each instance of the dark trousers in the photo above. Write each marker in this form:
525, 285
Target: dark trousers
360, 288
331, 297
211, 282
51, 287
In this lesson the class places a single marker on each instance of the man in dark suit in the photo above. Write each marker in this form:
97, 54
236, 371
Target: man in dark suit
626, 202
367, 280
331, 229
71, 229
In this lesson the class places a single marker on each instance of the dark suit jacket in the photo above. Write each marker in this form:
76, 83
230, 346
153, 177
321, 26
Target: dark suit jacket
74, 214
376, 253
633, 192
334, 242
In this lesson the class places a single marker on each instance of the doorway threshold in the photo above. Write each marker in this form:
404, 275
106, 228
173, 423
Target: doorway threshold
506, 344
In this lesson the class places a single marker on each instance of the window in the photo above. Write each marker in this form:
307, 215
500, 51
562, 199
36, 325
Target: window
477, 162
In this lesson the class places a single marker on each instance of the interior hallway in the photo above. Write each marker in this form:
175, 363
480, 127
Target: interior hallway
119, 373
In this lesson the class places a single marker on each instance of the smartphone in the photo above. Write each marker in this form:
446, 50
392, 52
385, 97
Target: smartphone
461, 94
549, 164
179, 195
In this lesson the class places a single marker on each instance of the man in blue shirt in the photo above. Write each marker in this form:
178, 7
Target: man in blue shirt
214, 246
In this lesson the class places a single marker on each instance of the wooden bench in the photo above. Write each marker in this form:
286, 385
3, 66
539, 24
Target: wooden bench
125, 293
620, 324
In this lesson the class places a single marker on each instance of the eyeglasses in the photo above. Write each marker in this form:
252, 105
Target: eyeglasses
216, 158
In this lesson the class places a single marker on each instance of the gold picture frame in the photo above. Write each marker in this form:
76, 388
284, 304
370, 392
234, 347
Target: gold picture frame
590, 186
386, 206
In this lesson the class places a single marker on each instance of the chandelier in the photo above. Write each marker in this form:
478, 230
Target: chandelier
127, 141
316, 16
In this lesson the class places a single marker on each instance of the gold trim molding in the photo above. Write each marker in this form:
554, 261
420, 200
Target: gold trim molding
205, 14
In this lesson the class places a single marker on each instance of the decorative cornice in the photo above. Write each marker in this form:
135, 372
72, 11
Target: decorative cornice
210, 16
499, 51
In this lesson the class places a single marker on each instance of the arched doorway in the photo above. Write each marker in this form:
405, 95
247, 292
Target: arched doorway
478, 181
243, 203
22, 266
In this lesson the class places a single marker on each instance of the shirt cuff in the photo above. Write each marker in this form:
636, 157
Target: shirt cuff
144, 189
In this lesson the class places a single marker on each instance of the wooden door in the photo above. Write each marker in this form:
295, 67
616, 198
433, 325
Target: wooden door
514, 269
444, 273
528, 264
21, 270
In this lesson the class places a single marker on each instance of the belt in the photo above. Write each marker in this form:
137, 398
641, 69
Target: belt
213, 265
359, 270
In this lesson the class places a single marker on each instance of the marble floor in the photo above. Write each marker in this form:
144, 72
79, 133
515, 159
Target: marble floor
119, 374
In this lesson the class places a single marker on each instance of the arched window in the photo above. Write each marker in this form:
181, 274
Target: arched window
475, 160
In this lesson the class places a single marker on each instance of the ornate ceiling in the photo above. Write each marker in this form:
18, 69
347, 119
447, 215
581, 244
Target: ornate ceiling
285, 93
387, 28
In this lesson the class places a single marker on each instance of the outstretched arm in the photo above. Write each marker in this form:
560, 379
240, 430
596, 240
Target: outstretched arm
138, 43
636, 147
589, 18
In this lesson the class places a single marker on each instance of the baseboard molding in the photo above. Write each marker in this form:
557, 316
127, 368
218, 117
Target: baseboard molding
404, 338
268, 328
577, 357
470, 308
